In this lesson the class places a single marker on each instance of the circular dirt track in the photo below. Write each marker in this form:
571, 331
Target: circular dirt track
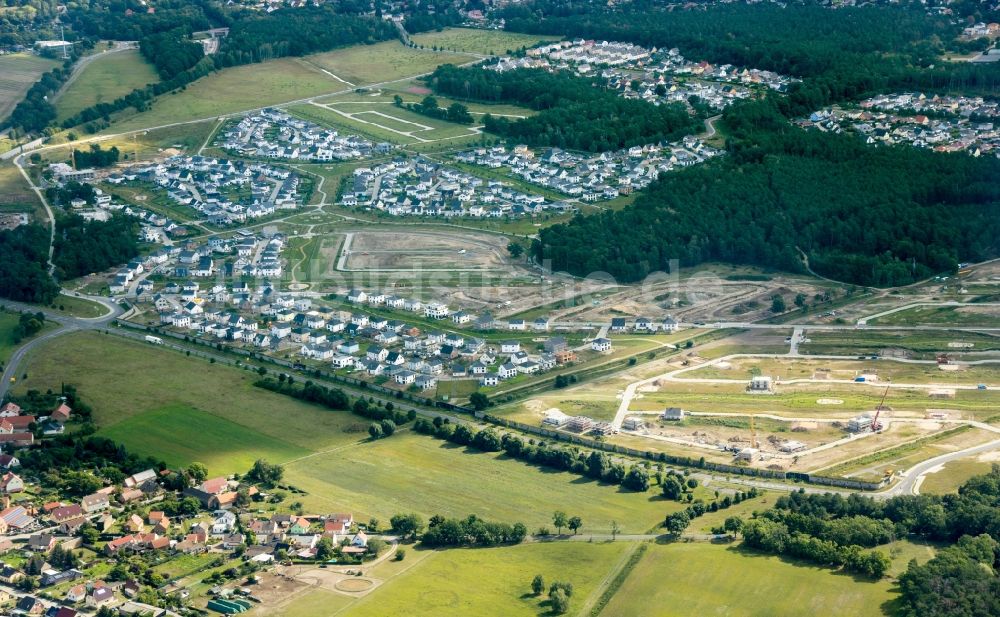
354, 585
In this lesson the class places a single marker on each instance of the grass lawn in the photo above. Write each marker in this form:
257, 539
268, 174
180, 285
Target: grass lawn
105, 79
494, 581
8, 321
410, 472
15, 194
122, 379
697, 579
184, 565
179, 435
310, 604
954, 474
17, 74
386, 61
78, 307
233, 90
470, 40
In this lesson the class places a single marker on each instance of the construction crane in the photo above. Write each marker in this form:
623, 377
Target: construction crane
875, 425
753, 434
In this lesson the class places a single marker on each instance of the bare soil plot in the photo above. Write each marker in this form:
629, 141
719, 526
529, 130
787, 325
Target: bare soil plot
418, 251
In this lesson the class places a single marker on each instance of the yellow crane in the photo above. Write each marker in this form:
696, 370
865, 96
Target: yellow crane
753, 434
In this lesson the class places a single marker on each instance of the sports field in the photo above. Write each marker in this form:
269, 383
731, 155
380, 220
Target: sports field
491, 42
17, 74
693, 580
105, 79
455, 582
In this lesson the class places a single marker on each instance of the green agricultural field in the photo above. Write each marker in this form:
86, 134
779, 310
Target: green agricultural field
123, 379
492, 42
106, 78
374, 64
234, 90
693, 580
410, 472
18, 72
180, 435
494, 581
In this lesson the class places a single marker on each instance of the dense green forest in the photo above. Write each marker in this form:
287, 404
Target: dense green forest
171, 52
83, 247
297, 32
843, 54
960, 581
871, 216
574, 113
132, 20
24, 276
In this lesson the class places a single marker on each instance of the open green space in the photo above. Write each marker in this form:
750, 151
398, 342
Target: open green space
327, 117
494, 581
410, 472
184, 565
310, 604
697, 579
374, 64
105, 79
8, 322
233, 90
952, 475
942, 315
180, 435
17, 74
140, 145
923, 344
471, 40
122, 379
78, 307
15, 194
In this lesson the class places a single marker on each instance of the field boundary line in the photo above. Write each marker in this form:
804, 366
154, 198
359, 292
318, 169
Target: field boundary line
612, 582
